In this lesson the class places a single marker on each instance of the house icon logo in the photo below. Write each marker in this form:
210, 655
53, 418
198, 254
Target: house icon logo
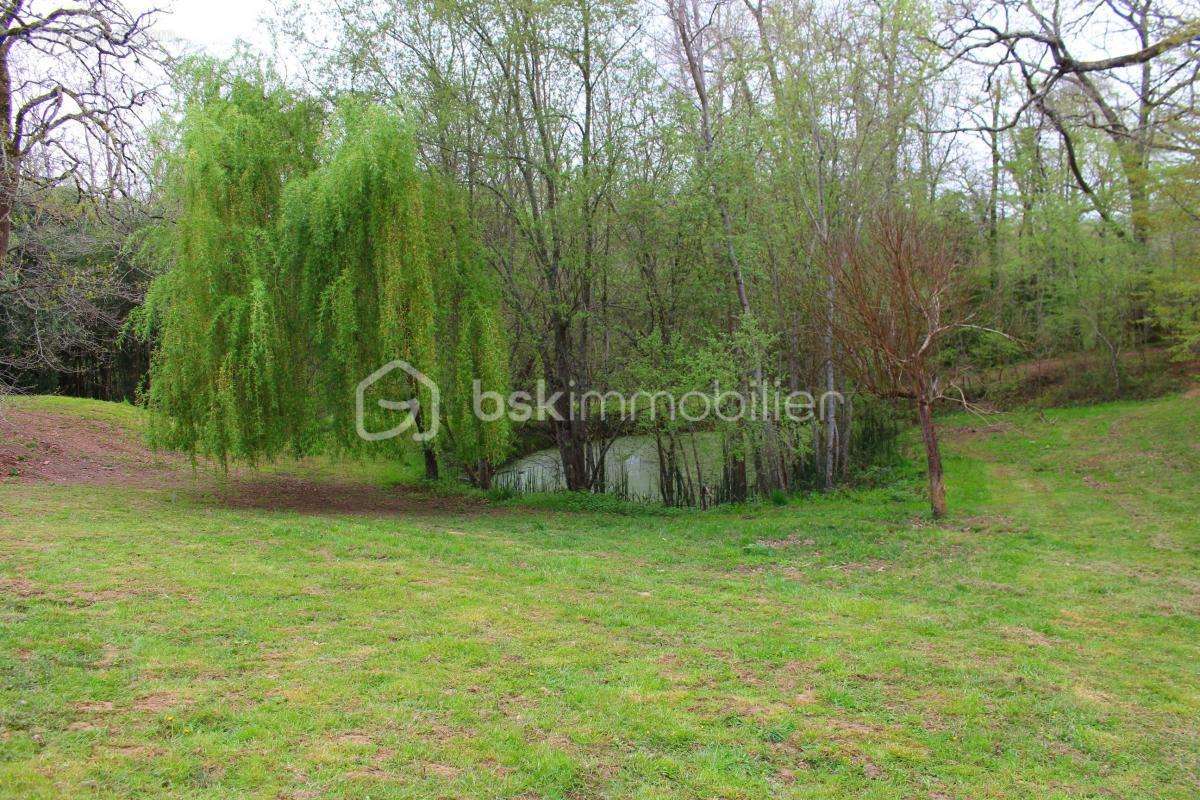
412, 406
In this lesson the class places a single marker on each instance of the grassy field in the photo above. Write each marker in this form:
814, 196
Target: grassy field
1044, 642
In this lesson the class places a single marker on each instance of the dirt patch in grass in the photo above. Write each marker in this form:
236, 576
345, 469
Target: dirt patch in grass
870, 565
110, 654
19, 586
305, 496
84, 726
156, 702
94, 706
443, 771
136, 752
82, 595
789, 571
353, 738
1027, 636
47, 447
43, 446
1093, 483
792, 540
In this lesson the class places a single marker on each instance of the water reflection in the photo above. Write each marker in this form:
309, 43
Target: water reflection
631, 467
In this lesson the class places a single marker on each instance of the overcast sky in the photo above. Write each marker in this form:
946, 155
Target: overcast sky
211, 24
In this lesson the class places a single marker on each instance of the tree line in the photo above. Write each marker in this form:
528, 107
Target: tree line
868, 199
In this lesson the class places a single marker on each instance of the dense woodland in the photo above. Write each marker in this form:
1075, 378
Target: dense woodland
882, 199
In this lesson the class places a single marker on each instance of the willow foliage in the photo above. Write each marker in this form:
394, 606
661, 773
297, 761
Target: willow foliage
218, 369
302, 263
353, 235
469, 327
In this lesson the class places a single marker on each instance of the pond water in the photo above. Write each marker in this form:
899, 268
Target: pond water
630, 465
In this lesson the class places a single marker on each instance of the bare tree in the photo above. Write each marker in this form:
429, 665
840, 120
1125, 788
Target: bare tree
74, 81
897, 297
73, 78
690, 31
694, 39
1136, 97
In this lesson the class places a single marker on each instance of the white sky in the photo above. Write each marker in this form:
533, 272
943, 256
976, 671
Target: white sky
211, 24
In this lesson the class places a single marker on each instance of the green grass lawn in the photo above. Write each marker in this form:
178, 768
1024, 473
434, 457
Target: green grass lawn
1044, 642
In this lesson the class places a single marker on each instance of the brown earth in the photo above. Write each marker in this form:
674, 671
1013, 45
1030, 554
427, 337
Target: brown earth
61, 448
46, 447
307, 496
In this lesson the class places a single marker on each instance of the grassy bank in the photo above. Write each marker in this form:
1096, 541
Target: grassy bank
1043, 642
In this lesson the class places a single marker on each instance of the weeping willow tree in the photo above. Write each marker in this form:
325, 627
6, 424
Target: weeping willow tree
353, 241
387, 269
359, 258
220, 371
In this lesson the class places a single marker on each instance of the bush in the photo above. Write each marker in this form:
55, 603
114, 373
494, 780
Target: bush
499, 494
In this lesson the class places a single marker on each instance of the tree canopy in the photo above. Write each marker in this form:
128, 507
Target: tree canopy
307, 249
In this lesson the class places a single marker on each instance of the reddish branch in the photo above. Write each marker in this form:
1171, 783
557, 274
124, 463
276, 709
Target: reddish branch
897, 296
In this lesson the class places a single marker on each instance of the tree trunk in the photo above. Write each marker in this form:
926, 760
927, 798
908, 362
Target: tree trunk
431, 464
1139, 198
689, 32
829, 406
7, 191
8, 157
484, 473
572, 449
1138, 176
847, 418
994, 192
933, 457
571, 431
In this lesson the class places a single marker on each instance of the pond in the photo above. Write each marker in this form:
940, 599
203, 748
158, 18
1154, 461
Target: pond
631, 467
